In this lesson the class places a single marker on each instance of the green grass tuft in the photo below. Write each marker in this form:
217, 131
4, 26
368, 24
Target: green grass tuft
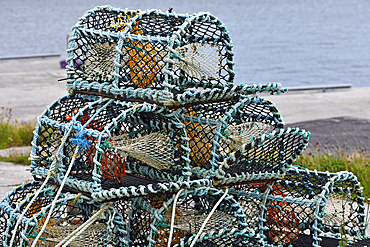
22, 160
12, 133
335, 160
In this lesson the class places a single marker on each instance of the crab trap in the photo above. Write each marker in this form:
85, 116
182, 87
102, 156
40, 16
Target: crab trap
40, 215
305, 208
153, 56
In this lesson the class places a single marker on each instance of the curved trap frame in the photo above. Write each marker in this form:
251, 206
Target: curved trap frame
239, 140
152, 127
205, 216
305, 208
106, 144
144, 49
40, 216
153, 56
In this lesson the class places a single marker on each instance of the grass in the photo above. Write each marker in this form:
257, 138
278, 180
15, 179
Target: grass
12, 133
337, 159
22, 160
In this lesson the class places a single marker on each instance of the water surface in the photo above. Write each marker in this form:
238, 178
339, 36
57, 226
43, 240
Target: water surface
294, 42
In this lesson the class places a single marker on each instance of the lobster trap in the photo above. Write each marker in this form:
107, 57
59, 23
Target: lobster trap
305, 208
195, 217
241, 139
109, 144
156, 146
153, 56
38, 215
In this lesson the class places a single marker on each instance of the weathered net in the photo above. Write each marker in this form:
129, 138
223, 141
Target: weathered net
344, 213
134, 48
155, 149
70, 213
240, 134
189, 221
226, 222
95, 235
100, 63
198, 60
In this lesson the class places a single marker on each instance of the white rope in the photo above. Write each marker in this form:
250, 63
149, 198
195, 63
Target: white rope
56, 197
26, 209
51, 171
209, 216
173, 217
73, 235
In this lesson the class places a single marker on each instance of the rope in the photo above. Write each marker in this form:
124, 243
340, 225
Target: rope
209, 216
73, 235
51, 172
79, 140
173, 217
56, 197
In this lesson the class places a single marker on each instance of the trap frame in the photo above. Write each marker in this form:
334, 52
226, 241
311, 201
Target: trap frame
120, 146
41, 216
156, 146
305, 208
153, 56
239, 140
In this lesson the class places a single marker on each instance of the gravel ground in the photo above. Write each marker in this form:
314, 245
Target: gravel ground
344, 132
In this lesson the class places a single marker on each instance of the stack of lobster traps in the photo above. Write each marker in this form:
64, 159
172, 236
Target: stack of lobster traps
154, 145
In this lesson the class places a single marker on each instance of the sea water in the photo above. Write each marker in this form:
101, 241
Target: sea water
293, 42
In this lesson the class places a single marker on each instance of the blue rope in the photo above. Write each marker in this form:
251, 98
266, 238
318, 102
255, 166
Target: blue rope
80, 140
